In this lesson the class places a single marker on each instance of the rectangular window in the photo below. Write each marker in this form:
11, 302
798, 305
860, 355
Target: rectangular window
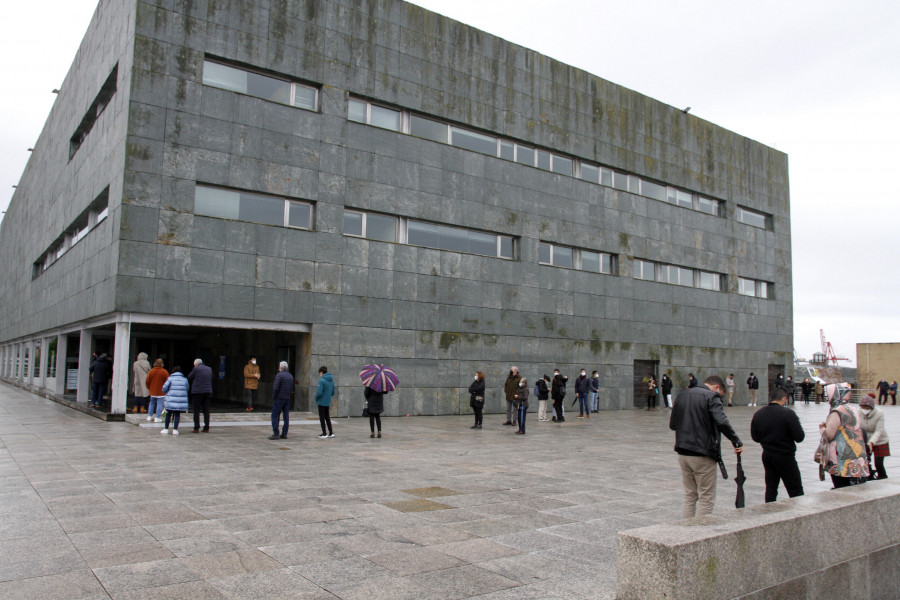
562, 165
606, 177
456, 239
543, 160
525, 155
680, 198
753, 218
507, 247
590, 173
380, 227
677, 275
644, 269
273, 89
507, 150
353, 223
753, 287
709, 281
387, 118
358, 111
620, 181
428, 129
248, 206
653, 190
470, 140
94, 111
545, 254
708, 205
596, 262
574, 258
746, 287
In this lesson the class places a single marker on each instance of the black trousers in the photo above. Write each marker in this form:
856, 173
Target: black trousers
781, 467
558, 406
373, 420
325, 418
201, 403
478, 414
882, 394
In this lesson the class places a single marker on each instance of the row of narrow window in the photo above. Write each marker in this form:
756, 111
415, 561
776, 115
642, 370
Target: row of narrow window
92, 216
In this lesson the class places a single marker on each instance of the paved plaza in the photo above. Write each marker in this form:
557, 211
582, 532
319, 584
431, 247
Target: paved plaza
94, 509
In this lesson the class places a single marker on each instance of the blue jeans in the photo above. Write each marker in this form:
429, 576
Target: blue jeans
98, 390
157, 405
592, 397
279, 408
583, 407
522, 412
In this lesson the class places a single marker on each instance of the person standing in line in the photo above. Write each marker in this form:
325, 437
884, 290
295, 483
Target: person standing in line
522, 404
251, 382
819, 390
542, 391
101, 372
155, 380
893, 393
806, 388
582, 388
282, 387
558, 393
779, 380
872, 421
752, 388
324, 392
375, 404
139, 371
201, 390
594, 394
509, 389
698, 421
176, 390
652, 392
729, 388
846, 460
883, 387
667, 385
476, 398
777, 429
692, 381
790, 389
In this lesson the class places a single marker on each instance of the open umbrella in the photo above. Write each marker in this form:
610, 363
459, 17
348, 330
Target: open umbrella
739, 479
380, 378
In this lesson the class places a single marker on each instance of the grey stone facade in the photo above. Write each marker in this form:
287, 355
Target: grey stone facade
435, 316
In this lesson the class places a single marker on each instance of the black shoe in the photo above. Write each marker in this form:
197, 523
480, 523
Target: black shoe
474, 426
274, 436
284, 437
479, 426
196, 431
508, 423
206, 430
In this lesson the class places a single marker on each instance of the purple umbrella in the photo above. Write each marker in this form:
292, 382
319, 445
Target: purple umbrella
380, 378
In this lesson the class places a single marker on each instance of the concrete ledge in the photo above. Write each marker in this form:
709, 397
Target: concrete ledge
838, 544
65, 402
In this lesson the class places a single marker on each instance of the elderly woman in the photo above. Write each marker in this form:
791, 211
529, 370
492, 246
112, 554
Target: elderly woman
522, 404
872, 420
846, 454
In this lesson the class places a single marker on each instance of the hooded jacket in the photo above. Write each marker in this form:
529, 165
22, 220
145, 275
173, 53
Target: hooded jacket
101, 369
140, 369
176, 391
325, 390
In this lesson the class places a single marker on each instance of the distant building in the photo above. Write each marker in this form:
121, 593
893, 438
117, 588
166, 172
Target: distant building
875, 362
338, 183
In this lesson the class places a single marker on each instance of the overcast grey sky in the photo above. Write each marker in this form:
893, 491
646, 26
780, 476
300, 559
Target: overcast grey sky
818, 80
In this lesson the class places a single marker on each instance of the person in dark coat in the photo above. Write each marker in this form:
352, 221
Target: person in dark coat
509, 390
543, 394
582, 389
281, 400
692, 381
522, 404
752, 388
790, 389
557, 393
476, 391
666, 385
101, 373
883, 388
652, 392
375, 404
777, 429
201, 391
806, 388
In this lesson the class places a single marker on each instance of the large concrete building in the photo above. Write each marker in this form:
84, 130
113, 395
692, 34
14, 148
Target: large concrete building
346, 181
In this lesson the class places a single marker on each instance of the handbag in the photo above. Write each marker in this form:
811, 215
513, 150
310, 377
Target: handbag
821, 456
477, 402
366, 409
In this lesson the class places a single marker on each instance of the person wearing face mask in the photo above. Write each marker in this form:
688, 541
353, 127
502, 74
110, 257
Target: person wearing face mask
777, 429
558, 393
582, 388
251, 382
871, 419
542, 391
476, 400
522, 404
509, 389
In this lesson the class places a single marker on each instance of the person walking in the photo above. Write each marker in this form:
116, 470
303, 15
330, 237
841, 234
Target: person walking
777, 429
892, 391
652, 392
509, 389
594, 393
698, 421
155, 380
476, 398
324, 392
806, 388
375, 406
752, 388
582, 388
251, 382
883, 388
542, 391
282, 387
729, 388
558, 394
101, 372
819, 390
176, 390
871, 419
201, 390
666, 385
522, 404
845, 461
139, 371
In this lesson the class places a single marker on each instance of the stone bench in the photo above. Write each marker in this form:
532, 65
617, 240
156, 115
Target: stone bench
837, 544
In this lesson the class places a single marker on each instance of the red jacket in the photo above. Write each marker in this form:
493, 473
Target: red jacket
155, 380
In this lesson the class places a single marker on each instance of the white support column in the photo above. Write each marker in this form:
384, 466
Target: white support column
121, 367
61, 349
84, 361
45, 360
29, 368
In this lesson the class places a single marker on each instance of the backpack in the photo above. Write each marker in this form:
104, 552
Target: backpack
537, 390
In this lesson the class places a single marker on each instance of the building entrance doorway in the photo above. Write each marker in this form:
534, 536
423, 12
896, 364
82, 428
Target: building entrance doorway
643, 371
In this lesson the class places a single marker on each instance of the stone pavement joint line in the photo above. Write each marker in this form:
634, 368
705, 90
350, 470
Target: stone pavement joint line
92, 509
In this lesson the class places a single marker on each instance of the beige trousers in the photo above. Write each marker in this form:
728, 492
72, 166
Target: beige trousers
698, 475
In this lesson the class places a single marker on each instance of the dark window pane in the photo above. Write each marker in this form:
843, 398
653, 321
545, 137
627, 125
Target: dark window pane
562, 165
384, 117
562, 257
507, 150
379, 227
353, 223
525, 155
482, 243
590, 173
268, 88
544, 253
506, 247
299, 215
262, 209
543, 160
304, 97
590, 261
620, 181
428, 129
357, 111
471, 140
653, 190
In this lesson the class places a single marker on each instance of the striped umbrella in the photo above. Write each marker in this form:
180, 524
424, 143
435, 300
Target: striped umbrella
380, 378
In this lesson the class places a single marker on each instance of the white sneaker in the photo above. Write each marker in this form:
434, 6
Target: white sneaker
156, 420
149, 417
331, 435
174, 432
164, 431
322, 436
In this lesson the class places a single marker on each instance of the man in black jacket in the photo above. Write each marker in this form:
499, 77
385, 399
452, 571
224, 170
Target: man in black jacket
101, 372
697, 420
753, 388
776, 429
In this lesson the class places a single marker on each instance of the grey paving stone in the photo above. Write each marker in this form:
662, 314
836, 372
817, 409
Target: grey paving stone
76, 585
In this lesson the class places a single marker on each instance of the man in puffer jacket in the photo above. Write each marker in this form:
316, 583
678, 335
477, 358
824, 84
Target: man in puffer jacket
176, 391
281, 400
